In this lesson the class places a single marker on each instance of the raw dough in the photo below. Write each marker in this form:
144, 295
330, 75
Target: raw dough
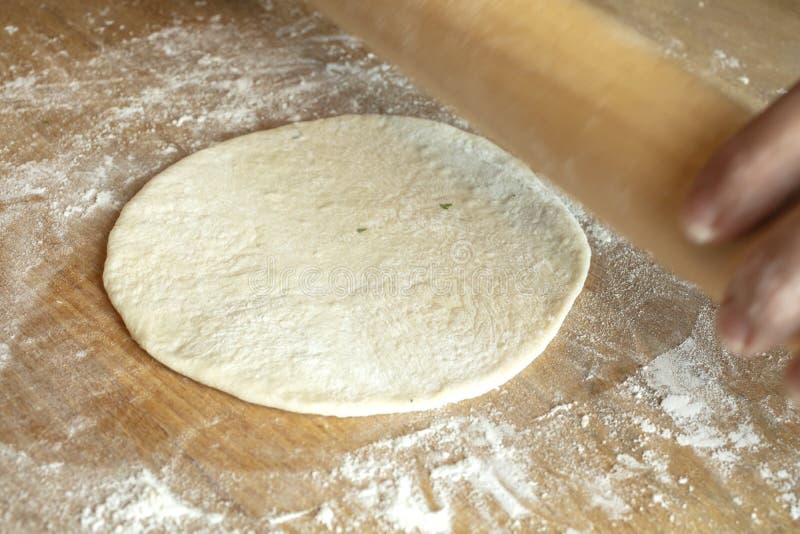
348, 266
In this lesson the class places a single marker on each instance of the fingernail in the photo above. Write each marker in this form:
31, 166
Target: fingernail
698, 221
699, 233
734, 327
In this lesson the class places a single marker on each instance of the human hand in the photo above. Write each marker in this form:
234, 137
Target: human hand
754, 180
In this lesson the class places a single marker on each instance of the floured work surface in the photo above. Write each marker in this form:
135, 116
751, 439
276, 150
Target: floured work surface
632, 417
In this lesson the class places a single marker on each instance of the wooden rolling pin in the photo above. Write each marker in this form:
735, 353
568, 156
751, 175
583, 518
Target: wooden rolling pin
585, 101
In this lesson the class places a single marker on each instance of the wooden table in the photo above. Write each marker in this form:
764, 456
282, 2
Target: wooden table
634, 418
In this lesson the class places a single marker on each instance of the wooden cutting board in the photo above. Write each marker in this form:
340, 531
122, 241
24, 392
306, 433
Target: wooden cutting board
633, 418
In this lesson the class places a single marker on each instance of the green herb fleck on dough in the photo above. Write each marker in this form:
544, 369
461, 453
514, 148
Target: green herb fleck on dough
446, 205
360, 230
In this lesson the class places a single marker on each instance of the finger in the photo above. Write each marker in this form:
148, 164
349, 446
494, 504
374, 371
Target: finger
749, 177
761, 308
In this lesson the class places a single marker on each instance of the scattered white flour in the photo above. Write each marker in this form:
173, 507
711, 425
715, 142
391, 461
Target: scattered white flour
786, 483
286, 518
675, 48
691, 393
140, 503
5, 355
78, 425
412, 479
604, 496
720, 60
325, 516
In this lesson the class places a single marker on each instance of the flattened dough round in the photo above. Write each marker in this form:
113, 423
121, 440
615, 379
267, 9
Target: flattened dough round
347, 266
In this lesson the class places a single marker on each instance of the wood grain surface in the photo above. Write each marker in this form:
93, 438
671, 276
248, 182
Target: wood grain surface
633, 419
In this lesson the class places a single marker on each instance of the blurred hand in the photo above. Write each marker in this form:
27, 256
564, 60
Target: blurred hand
753, 179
